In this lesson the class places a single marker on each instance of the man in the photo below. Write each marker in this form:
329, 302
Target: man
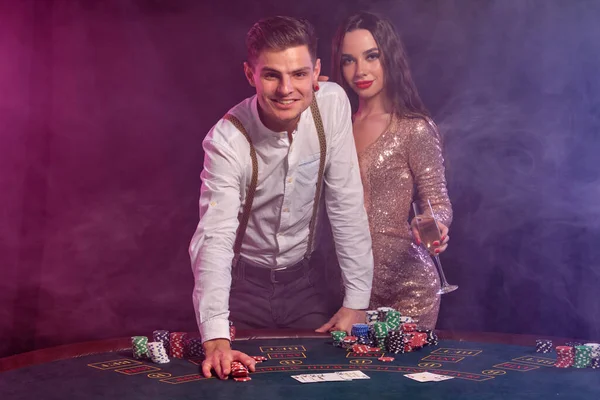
273, 284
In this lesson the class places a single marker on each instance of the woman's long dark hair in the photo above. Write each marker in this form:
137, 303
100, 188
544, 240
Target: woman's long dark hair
399, 86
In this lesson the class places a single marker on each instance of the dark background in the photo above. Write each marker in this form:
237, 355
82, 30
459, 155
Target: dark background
104, 104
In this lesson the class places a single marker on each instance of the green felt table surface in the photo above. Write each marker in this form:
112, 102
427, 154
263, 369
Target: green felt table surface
480, 370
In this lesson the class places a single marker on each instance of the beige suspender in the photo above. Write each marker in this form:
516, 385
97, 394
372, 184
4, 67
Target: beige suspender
237, 247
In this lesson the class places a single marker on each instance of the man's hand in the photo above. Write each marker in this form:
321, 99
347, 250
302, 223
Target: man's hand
439, 247
343, 320
219, 357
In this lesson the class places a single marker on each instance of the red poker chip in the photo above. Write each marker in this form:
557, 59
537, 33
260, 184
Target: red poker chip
242, 379
386, 359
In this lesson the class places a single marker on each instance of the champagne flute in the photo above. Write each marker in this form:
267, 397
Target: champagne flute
430, 232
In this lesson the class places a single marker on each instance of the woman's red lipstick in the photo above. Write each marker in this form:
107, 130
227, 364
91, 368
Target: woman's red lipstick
363, 84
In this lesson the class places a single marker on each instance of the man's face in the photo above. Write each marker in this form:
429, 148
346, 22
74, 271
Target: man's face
284, 85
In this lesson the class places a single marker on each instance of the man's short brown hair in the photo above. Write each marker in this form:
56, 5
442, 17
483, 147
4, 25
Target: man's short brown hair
280, 33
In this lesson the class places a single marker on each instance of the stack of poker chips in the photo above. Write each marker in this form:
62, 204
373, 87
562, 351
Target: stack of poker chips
192, 347
432, 338
565, 356
337, 337
362, 348
408, 327
543, 346
595, 349
239, 372
583, 356
595, 362
408, 342
386, 331
163, 337
139, 345
372, 317
177, 347
348, 342
395, 342
158, 353
393, 319
383, 312
419, 339
380, 329
361, 331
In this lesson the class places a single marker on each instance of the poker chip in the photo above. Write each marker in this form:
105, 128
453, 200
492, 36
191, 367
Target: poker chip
348, 342
382, 313
565, 356
432, 338
361, 348
595, 363
192, 347
386, 359
372, 317
395, 342
177, 346
163, 337
157, 353
239, 370
543, 346
408, 327
139, 346
393, 319
595, 349
338, 337
583, 356
418, 340
242, 379
359, 330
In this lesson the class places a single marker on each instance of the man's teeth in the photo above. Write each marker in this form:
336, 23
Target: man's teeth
285, 101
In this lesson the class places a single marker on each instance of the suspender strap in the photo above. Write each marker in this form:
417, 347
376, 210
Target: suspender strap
237, 247
314, 108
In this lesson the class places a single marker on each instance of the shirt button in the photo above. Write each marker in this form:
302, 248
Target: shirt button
289, 180
213, 203
286, 210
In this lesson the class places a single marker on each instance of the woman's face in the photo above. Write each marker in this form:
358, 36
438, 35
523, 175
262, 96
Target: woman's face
361, 64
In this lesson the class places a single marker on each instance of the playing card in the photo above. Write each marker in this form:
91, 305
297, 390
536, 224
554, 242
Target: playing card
353, 374
313, 378
428, 377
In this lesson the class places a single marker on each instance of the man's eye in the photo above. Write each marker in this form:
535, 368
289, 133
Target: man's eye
301, 74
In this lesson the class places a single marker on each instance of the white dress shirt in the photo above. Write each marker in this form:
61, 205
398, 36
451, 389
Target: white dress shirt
277, 232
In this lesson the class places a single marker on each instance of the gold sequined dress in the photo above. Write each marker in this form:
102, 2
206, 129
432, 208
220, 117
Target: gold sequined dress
403, 163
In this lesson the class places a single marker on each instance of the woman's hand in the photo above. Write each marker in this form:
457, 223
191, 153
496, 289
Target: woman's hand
437, 246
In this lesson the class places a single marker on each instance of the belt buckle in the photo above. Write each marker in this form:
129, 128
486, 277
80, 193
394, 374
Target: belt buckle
272, 273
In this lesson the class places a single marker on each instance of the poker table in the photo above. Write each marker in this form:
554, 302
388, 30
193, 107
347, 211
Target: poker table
483, 366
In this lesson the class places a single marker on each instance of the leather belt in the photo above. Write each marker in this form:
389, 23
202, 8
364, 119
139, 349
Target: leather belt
274, 275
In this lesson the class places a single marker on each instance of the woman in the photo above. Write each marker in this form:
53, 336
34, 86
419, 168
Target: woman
400, 157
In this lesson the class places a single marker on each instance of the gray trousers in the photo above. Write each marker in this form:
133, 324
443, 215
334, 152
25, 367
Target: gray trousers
303, 303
